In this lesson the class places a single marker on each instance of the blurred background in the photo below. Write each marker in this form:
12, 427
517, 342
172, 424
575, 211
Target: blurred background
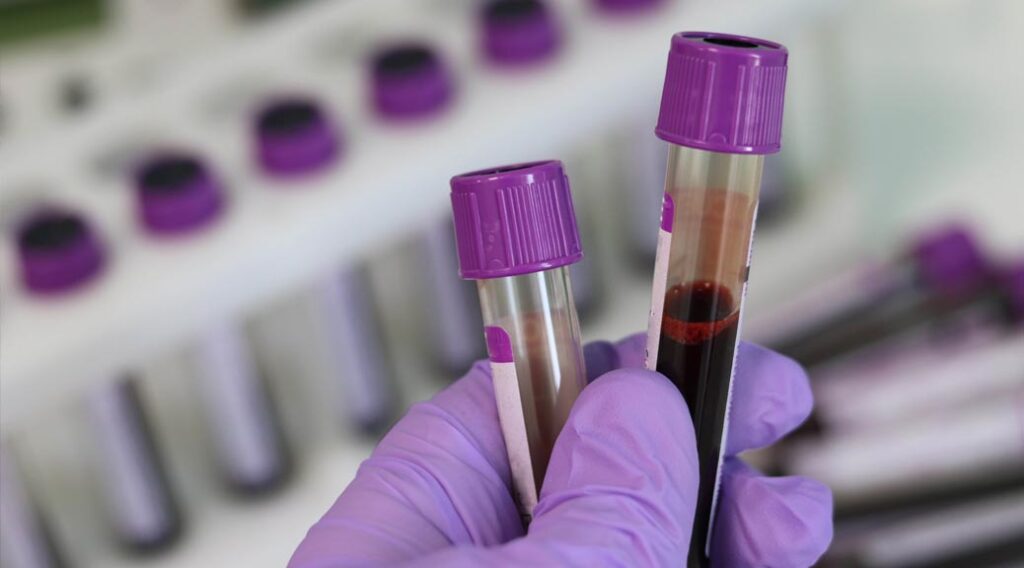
228, 264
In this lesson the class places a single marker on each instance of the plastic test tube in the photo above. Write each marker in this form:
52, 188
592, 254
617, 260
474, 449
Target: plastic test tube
518, 35
872, 394
293, 139
411, 84
25, 540
177, 195
59, 253
520, 262
972, 451
974, 532
942, 270
721, 111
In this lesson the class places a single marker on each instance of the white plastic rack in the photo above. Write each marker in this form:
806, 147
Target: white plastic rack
277, 237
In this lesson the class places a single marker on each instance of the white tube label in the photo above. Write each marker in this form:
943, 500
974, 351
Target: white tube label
513, 423
661, 259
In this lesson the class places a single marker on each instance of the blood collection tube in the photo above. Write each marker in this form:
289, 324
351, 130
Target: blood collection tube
879, 397
877, 389
721, 111
25, 541
243, 421
972, 532
59, 253
293, 138
973, 450
520, 34
177, 195
516, 234
410, 83
942, 271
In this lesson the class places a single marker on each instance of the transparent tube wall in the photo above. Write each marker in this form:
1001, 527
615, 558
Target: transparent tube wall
537, 313
700, 279
250, 444
143, 510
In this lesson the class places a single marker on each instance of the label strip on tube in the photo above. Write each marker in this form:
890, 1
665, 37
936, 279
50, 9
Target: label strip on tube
510, 415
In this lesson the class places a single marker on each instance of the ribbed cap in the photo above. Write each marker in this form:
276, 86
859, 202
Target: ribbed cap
723, 93
950, 262
294, 136
176, 193
515, 32
409, 81
513, 220
57, 252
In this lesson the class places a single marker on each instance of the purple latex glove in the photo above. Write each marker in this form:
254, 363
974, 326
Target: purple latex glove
619, 491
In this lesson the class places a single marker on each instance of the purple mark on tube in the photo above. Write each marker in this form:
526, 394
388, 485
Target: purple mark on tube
499, 344
668, 211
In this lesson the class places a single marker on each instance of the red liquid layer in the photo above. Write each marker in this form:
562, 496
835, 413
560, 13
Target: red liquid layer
698, 341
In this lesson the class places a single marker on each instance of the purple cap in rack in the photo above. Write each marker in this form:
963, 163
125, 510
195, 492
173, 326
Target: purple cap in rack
176, 193
515, 32
949, 261
626, 6
294, 136
723, 93
514, 219
409, 81
58, 251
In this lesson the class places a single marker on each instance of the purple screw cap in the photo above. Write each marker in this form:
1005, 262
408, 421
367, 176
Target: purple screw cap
514, 220
723, 93
626, 6
177, 194
294, 137
516, 32
949, 261
409, 81
58, 252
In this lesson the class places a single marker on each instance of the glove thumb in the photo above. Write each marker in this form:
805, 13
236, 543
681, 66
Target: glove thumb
622, 481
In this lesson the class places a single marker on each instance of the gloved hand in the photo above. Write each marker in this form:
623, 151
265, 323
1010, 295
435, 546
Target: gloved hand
620, 488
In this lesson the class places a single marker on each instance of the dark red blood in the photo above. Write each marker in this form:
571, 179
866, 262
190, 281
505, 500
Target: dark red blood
698, 340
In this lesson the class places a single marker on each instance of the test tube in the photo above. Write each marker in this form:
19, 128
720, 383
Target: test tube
973, 532
25, 541
410, 83
876, 389
721, 111
295, 138
178, 195
517, 236
943, 270
973, 450
59, 253
527, 34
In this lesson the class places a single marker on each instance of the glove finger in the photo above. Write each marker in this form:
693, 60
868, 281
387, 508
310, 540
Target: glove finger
600, 357
622, 478
771, 397
770, 521
632, 350
439, 477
